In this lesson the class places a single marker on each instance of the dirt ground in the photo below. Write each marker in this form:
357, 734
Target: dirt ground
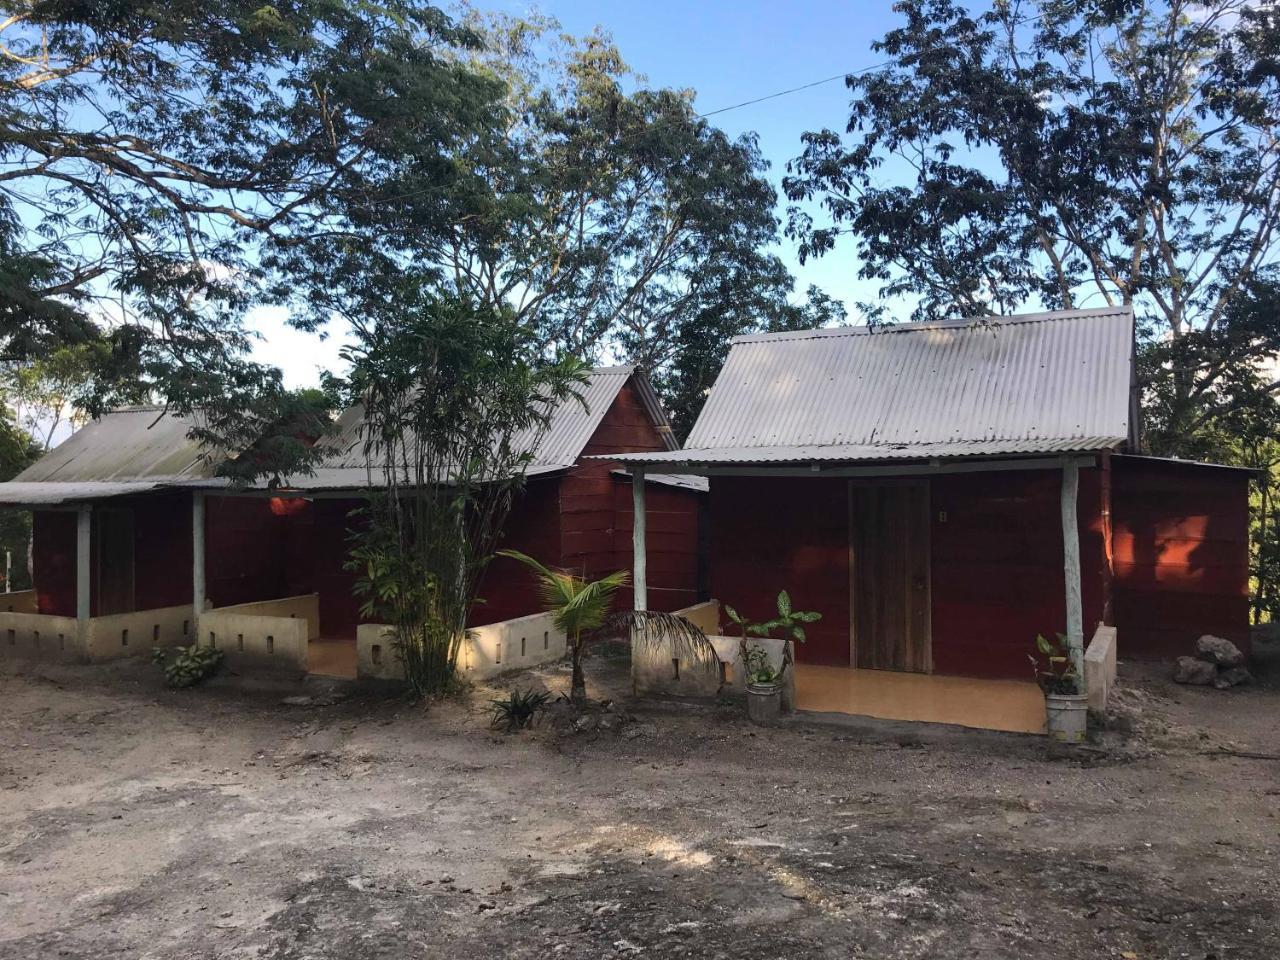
141, 822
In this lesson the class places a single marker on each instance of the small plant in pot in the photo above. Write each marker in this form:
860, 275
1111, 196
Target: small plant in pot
1066, 706
763, 678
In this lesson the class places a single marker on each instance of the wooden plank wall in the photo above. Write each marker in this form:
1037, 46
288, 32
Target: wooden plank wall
786, 533
53, 561
1181, 556
253, 554
997, 567
162, 554
596, 512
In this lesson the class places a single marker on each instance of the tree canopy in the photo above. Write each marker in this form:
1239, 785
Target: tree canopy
1072, 154
165, 167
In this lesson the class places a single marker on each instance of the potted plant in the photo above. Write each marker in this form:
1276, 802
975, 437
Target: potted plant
1066, 707
763, 680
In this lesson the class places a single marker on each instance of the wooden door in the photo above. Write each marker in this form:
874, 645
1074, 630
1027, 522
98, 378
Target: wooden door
889, 576
115, 561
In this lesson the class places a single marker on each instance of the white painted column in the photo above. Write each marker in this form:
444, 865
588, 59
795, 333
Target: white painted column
84, 527
1071, 566
197, 556
639, 559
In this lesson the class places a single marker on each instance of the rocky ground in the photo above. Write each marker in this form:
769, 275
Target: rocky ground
146, 823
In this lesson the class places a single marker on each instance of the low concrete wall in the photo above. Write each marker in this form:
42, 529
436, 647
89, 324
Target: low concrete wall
36, 636
658, 671
20, 601
304, 606
487, 650
512, 645
256, 643
1100, 667
376, 657
135, 634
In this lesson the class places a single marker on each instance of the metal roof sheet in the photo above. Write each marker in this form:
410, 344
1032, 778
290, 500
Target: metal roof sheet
1000, 385
572, 425
128, 443
682, 480
46, 493
838, 453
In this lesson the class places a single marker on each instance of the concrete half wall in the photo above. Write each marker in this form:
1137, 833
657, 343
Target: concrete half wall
487, 650
38, 636
266, 636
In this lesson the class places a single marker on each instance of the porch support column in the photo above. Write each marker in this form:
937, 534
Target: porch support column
1071, 566
197, 555
639, 560
83, 543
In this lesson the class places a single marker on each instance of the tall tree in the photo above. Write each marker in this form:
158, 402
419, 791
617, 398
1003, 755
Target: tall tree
618, 222
165, 167
1078, 153
455, 402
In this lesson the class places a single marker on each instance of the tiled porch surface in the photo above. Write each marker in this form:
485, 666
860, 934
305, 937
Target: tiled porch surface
332, 657
1011, 705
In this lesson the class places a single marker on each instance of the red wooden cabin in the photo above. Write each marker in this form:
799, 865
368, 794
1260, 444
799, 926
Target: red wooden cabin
129, 520
912, 483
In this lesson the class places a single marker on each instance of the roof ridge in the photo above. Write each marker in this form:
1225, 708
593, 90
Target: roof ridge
913, 326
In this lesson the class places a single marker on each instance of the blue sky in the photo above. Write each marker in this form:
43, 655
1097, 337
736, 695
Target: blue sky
728, 53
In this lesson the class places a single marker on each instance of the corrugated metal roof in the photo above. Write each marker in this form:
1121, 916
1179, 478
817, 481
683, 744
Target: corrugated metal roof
1015, 383
129, 443
837, 453
47, 493
682, 480
572, 425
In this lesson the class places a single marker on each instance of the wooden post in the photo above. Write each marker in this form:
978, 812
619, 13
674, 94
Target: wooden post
639, 560
197, 558
83, 543
1071, 566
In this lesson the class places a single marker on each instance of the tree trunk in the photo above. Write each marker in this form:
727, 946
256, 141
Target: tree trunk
578, 691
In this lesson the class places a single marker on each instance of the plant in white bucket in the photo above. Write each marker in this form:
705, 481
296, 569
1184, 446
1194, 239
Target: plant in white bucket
1066, 705
764, 680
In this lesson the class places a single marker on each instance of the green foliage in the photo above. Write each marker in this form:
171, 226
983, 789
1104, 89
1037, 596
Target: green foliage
455, 400
580, 606
174, 166
189, 665
788, 621
1058, 675
1072, 153
18, 450
754, 657
619, 219
519, 709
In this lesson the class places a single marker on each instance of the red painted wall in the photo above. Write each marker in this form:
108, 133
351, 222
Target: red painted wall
508, 588
998, 570
161, 555
786, 533
53, 561
596, 513
997, 577
1181, 556
332, 523
162, 550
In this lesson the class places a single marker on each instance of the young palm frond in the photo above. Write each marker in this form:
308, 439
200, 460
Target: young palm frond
581, 607
657, 632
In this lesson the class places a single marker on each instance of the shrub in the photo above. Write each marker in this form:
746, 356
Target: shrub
519, 709
189, 665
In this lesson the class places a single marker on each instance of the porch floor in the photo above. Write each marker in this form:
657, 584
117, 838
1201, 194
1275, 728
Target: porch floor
1011, 705
332, 657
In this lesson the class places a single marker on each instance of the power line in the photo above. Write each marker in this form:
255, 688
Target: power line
783, 93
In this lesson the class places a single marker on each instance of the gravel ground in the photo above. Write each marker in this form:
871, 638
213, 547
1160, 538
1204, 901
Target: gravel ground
146, 823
